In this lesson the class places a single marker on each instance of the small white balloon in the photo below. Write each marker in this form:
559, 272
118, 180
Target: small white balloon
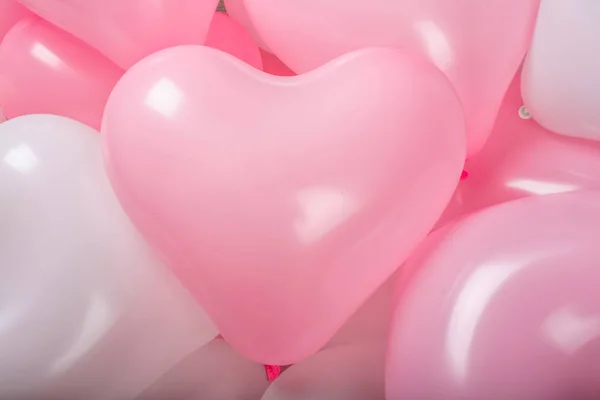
87, 311
561, 74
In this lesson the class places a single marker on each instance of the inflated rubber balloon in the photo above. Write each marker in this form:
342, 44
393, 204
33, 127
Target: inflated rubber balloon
283, 203
215, 371
229, 36
478, 44
351, 372
274, 66
10, 13
523, 159
86, 309
503, 304
46, 70
561, 76
127, 31
236, 10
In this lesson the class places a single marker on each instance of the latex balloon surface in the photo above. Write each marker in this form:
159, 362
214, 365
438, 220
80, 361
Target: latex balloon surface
228, 35
237, 11
127, 31
274, 66
213, 372
10, 13
209, 158
503, 304
44, 70
478, 44
83, 300
561, 76
522, 159
352, 372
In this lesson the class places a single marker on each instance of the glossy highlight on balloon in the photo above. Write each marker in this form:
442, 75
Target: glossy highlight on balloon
127, 31
83, 300
478, 44
44, 70
502, 304
208, 156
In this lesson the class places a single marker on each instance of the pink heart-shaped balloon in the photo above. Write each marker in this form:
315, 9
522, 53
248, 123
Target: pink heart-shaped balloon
126, 31
282, 203
478, 44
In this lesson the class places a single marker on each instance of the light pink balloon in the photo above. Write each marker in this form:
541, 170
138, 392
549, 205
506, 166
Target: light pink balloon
523, 159
561, 75
351, 372
503, 304
127, 31
478, 44
283, 203
44, 70
274, 66
229, 36
10, 13
236, 10
214, 372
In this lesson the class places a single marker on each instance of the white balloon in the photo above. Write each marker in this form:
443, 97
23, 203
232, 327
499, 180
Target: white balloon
350, 372
86, 309
214, 372
561, 75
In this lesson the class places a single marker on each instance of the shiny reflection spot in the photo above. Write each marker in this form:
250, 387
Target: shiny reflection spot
540, 187
45, 55
568, 330
98, 320
436, 43
21, 158
474, 298
164, 97
323, 209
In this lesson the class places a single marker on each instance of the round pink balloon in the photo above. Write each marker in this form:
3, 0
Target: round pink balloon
503, 304
127, 31
478, 44
282, 203
229, 36
44, 70
523, 159
273, 65
236, 10
10, 13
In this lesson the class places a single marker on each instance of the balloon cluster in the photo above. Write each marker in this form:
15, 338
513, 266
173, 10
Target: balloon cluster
390, 201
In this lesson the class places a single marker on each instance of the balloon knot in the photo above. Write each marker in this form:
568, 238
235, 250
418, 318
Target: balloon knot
464, 175
272, 371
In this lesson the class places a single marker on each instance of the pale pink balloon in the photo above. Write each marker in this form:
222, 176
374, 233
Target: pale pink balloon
213, 372
561, 75
523, 159
503, 304
351, 372
236, 10
273, 65
127, 31
10, 13
229, 36
282, 203
44, 70
478, 44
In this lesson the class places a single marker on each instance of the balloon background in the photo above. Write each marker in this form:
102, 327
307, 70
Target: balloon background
299, 200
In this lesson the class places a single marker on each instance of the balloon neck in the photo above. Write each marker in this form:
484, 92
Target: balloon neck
272, 371
524, 113
464, 175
